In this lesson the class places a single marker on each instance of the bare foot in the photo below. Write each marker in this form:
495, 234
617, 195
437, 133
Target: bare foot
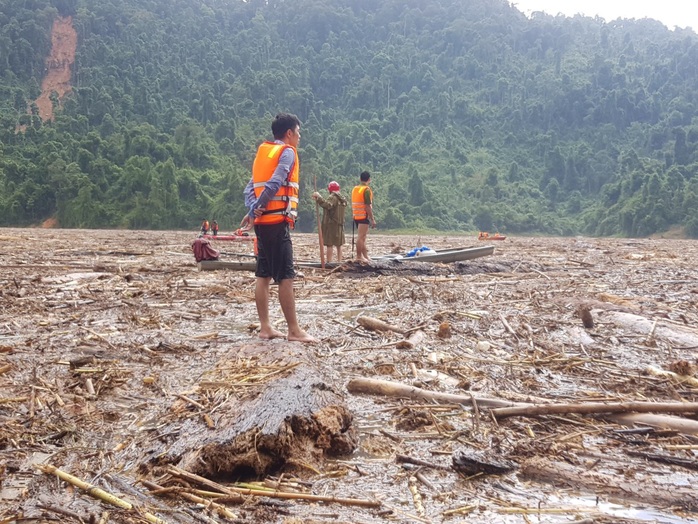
273, 333
303, 337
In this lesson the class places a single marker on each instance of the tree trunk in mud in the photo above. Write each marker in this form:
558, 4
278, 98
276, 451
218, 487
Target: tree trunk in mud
294, 421
560, 473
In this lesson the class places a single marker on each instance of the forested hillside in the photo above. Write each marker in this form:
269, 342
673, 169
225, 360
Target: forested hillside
468, 114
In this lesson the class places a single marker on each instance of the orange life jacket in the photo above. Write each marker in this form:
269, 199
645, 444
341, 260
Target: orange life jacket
204, 225
284, 204
358, 202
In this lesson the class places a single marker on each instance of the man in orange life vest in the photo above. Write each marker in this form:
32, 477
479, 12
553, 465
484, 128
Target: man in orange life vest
362, 208
272, 199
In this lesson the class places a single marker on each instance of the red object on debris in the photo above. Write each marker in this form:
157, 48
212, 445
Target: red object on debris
203, 250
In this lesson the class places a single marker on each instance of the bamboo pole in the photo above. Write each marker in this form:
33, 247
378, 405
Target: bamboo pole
219, 508
319, 227
597, 407
233, 491
96, 492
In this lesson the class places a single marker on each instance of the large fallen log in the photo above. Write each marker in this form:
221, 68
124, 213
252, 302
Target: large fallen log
293, 421
577, 477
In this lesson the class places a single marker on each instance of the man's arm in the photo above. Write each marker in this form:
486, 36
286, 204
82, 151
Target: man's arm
250, 199
325, 204
369, 207
369, 214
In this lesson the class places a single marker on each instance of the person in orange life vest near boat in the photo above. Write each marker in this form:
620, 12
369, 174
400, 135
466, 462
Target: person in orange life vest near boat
214, 228
271, 196
362, 208
332, 219
204, 227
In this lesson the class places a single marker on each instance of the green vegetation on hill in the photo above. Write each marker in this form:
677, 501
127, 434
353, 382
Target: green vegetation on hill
469, 115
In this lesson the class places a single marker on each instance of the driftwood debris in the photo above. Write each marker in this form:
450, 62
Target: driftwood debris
295, 419
682, 425
679, 379
394, 389
470, 462
160, 343
597, 407
237, 492
675, 334
96, 492
413, 340
615, 486
374, 324
209, 504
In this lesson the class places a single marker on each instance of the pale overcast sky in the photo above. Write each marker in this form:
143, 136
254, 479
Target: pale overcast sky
682, 13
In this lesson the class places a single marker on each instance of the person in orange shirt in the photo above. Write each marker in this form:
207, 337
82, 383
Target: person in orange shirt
362, 209
272, 199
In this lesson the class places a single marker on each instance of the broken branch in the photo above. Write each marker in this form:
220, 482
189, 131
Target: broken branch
597, 407
394, 389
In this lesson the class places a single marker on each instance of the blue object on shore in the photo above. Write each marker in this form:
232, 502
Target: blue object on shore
413, 252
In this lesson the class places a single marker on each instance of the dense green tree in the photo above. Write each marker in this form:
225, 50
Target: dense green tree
471, 113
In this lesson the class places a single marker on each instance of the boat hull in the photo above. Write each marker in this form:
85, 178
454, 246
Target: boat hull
445, 255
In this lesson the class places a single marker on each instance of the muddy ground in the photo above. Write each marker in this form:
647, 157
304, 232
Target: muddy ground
104, 333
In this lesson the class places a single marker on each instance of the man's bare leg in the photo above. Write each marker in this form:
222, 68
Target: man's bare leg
328, 256
288, 306
361, 250
261, 297
339, 254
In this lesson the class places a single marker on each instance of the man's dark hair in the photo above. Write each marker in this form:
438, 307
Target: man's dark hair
365, 176
282, 123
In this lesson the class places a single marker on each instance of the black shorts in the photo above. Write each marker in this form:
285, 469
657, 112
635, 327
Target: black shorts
362, 221
274, 252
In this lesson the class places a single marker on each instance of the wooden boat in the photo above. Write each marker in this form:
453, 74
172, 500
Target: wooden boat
484, 235
444, 256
